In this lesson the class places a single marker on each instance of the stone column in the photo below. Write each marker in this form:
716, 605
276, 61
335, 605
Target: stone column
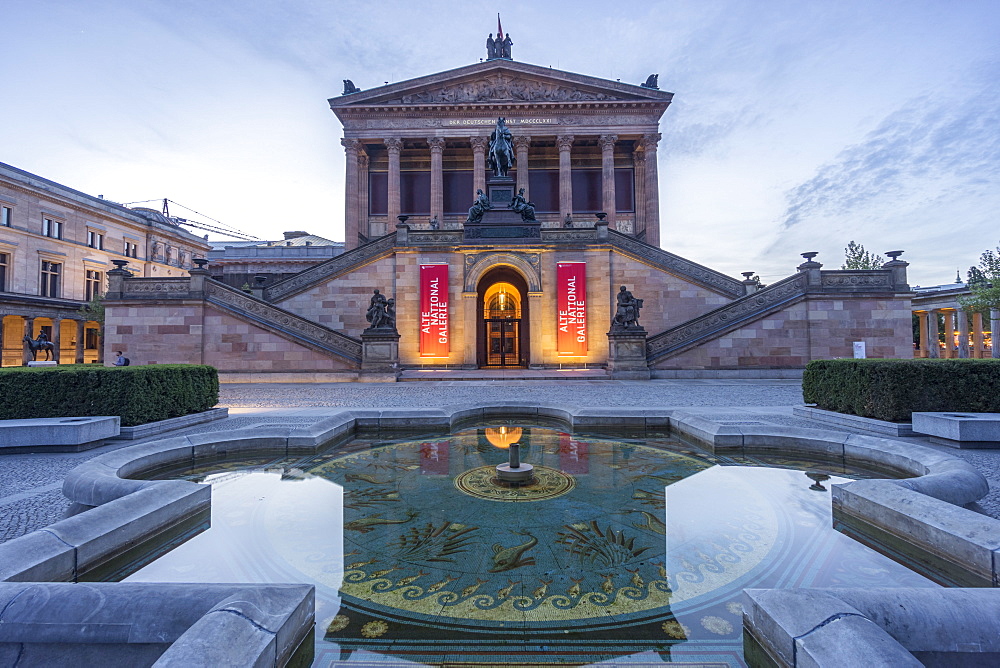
478, 164
933, 347
81, 332
536, 314
521, 145
977, 335
363, 224
57, 339
351, 222
437, 177
963, 333
922, 334
949, 333
471, 321
29, 330
607, 144
995, 332
565, 143
394, 145
639, 195
652, 189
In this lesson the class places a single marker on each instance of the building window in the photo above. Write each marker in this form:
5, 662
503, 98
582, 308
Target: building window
90, 338
52, 228
94, 284
4, 263
131, 249
95, 239
50, 279
6, 213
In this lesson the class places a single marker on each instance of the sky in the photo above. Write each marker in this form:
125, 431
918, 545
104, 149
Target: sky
796, 126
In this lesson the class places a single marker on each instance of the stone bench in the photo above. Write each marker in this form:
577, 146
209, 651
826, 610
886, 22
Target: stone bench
960, 430
66, 434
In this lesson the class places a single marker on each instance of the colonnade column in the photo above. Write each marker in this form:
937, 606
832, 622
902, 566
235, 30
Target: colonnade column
977, 334
565, 143
521, 145
607, 144
995, 331
394, 146
437, 177
363, 224
478, 164
922, 334
963, 333
933, 349
29, 330
81, 330
639, 181
351, 147
949, 332
56, 338
652, 189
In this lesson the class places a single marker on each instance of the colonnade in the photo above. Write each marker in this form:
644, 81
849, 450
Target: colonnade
955, 321
647, 201
13, 329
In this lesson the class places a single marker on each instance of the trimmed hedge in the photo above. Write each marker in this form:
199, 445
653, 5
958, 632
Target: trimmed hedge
893, 389
137, 394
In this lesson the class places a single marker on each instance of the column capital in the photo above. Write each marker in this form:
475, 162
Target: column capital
393, 144
351, 145
565, 142
363, 160
650, 140
607, 142
436, 143
479, 144
521, 142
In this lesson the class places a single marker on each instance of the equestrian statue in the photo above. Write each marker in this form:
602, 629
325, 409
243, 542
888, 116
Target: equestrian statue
501, 155
41, 343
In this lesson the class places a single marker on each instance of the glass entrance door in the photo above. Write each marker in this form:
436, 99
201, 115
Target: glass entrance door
503, 339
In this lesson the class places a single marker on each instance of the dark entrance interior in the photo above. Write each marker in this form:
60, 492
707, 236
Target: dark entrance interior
503, 316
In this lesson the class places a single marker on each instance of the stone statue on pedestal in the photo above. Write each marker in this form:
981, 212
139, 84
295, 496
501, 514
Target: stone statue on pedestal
491, 48
479, 207
522, 206
381, 312
627, 312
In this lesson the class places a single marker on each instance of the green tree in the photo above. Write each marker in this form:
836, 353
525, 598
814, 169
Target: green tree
856, 257
984, 283
94, 310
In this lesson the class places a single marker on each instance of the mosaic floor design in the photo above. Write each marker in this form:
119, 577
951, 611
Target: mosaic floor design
621, 548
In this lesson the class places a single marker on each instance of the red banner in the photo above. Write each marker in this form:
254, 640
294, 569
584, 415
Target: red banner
434, 310
434, 457
571, 284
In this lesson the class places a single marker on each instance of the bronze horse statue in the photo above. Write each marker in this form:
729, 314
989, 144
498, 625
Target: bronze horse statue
40, 344
501, 153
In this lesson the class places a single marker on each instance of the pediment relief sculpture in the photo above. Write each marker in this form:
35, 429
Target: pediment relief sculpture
502, 87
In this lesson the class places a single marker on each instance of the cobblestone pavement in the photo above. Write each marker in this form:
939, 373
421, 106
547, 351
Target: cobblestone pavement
30, 484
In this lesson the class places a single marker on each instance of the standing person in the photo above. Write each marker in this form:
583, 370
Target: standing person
120, 360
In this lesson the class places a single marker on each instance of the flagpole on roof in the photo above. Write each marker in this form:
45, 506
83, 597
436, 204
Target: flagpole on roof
499, 28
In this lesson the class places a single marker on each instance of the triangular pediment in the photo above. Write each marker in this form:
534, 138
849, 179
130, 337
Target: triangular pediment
500, 81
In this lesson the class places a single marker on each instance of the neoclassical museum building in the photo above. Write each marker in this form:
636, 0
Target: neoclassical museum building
504, 244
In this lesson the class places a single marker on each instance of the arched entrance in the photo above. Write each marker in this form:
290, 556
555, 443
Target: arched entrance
502, 307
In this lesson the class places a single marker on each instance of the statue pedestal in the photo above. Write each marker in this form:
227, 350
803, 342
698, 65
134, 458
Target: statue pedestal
627, 354
44, 363
500, 191
379, 356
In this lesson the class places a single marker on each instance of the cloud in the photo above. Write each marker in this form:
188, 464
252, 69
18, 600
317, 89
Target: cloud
930, 151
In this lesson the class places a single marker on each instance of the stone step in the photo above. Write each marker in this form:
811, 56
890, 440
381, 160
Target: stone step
413, 375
